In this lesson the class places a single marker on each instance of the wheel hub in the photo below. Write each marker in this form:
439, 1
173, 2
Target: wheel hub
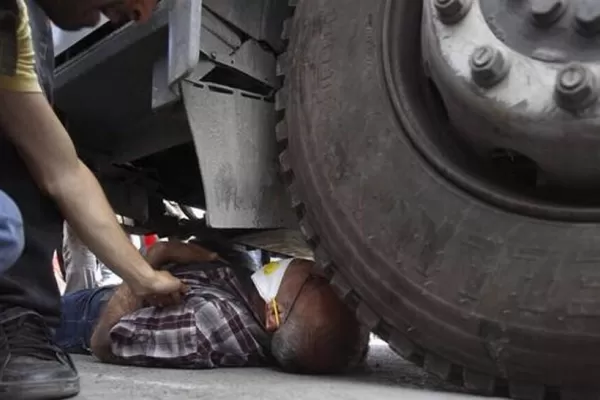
521, 76
570, 27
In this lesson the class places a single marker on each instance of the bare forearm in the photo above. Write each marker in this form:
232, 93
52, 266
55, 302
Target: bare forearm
88, 212
122, 303
49, 153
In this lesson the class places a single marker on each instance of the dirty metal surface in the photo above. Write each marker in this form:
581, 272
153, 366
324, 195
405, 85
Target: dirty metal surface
237, 152
185, 18
262, 20
289, 242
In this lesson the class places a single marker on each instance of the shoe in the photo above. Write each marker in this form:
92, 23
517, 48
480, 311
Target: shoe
32, 367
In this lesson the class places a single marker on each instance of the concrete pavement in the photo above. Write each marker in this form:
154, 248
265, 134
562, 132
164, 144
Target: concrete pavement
386, 377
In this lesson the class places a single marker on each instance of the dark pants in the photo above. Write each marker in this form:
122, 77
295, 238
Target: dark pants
80, 312
30, 283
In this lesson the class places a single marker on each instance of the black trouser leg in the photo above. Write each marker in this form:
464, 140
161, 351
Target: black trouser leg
30, 283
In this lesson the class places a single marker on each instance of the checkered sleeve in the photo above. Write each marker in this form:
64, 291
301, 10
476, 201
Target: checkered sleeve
211, 329
156, 337
225, 335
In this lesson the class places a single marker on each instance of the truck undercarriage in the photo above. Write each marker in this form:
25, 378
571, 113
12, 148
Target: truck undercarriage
147, 132
440, 157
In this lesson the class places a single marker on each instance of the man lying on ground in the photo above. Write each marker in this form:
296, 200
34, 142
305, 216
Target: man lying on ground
284, 314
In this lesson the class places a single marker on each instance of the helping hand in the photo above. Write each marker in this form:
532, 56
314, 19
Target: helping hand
161, 290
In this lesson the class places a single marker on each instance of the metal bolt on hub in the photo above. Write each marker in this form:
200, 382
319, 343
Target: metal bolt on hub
488, 66
587, 17
452, 11
546, 12
576, 88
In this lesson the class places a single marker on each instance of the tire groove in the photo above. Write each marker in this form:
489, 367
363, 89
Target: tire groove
398, 342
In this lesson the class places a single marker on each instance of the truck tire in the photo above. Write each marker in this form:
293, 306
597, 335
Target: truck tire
498, 298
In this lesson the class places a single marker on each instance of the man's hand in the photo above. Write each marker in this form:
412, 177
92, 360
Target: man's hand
161, 289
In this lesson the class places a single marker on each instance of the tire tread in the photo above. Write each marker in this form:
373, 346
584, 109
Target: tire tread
398, 341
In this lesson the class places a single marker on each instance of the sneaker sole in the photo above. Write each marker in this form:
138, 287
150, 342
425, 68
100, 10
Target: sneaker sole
46, 390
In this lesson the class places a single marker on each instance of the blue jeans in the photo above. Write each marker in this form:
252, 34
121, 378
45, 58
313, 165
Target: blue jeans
80, 312
12, 238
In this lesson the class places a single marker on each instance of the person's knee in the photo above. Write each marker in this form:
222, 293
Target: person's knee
12, 238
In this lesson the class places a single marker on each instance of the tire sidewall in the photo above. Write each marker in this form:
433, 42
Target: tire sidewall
473, 283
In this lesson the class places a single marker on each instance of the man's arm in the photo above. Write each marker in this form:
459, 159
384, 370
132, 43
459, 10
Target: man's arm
122, 303
183, 336
30, 123
174, 252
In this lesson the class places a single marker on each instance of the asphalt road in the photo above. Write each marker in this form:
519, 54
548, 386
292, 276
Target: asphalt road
386, 376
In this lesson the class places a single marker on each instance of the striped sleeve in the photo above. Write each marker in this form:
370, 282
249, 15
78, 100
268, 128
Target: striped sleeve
24, 78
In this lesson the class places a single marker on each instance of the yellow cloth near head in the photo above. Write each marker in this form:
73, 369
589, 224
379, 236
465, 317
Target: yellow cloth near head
25, 79
276, 311
271, 267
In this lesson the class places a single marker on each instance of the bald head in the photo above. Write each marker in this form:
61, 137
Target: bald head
320, 335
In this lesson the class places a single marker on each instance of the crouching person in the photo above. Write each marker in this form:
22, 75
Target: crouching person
284, 314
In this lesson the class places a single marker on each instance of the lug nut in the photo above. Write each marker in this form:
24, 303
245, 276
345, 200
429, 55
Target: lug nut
452, 11
587, 17
488, 66
546, 12
576, 88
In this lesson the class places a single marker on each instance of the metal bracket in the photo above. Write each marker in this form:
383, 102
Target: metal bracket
223, 46
252, 60
261, 20
290, 242
162, 93
185, 21
237, 152
220, 45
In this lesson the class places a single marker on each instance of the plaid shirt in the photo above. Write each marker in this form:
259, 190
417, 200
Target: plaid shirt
214, 326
